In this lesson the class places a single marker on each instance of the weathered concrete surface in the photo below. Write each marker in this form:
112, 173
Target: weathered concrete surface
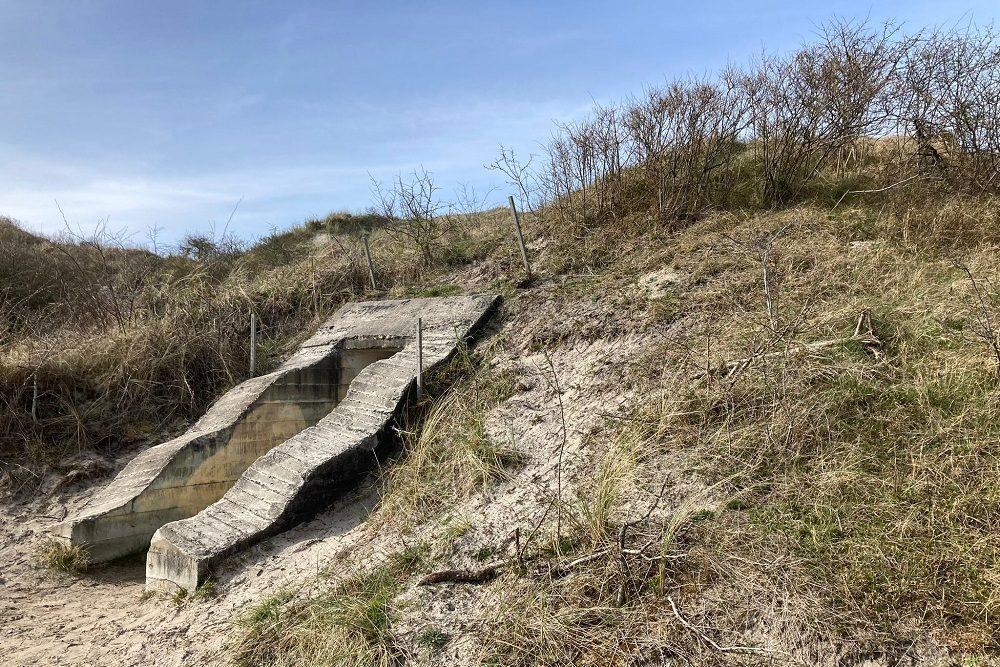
299, 477
178, 478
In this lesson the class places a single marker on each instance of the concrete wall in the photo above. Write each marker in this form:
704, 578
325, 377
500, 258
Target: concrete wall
360, 353
200, 476
201, 467
302, 475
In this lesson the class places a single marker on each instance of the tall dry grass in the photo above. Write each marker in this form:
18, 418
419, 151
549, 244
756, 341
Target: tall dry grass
103, 345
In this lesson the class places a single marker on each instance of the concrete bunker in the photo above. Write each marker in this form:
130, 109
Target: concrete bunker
303, 475
278, 448
181, 477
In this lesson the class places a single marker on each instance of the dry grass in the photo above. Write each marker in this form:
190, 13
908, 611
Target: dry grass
862, 490
599, 499
349, 623
65, 558
881, 480
874, 477
606, 603
450, 456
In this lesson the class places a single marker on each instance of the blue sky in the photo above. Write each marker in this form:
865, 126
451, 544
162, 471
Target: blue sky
166, 114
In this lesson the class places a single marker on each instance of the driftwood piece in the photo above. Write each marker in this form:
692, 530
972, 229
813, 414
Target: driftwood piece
888, 187
561, 570
863, 334
479, 576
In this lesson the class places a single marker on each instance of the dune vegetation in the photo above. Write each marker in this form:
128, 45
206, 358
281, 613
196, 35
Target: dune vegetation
822, 229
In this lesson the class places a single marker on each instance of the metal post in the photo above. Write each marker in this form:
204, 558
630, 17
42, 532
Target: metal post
420, 358
368, 256
520, 236
253, 344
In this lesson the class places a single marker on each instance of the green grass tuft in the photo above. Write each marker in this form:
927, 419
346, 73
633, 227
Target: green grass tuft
451, 456
433, 638
65, 558
349, 624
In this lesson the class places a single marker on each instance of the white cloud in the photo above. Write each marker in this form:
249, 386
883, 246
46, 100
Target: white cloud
452, 140
138, 202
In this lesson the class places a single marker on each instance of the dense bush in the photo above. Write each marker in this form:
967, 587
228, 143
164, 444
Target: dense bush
859, 106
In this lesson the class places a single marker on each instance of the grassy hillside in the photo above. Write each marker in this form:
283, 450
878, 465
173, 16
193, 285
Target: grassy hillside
806, 471
823, 471
745, 413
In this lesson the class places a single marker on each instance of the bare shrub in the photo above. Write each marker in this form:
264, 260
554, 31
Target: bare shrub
520, 175
410, 206
863, 105
685, 138
806, 108
945, 106
981, 304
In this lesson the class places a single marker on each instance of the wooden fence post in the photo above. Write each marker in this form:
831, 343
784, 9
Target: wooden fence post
368, 256
420, 358
253, 344
520, 235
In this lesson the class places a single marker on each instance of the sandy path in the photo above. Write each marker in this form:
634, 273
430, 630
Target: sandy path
103, 618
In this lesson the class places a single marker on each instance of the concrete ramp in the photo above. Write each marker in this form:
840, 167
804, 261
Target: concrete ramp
338, 392
178, 478
300, 477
